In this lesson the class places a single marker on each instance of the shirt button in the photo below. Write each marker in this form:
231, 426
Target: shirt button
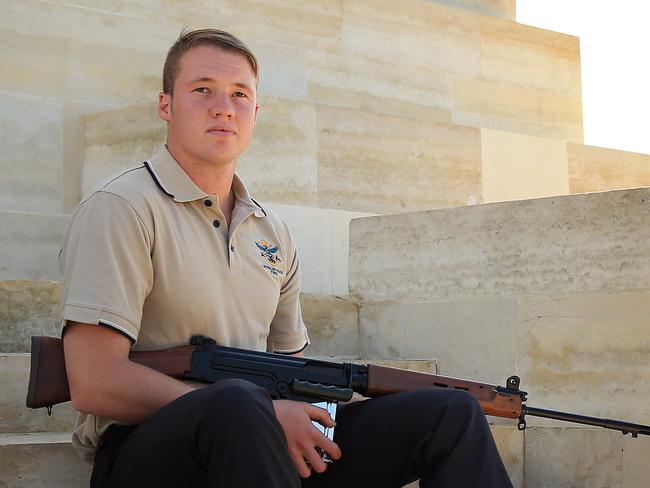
207, 203
216, 223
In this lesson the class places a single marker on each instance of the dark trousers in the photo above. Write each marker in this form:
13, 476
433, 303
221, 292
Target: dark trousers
226, 435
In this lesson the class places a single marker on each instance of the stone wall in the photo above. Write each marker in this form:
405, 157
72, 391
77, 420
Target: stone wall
556, 290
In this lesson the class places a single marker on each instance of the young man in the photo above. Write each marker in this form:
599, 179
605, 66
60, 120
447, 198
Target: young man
170, 249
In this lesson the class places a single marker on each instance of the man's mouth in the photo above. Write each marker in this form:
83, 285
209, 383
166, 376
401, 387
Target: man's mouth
221, 131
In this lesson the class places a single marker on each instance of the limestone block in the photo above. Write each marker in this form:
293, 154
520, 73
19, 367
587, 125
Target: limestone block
14, 415
27, 308
333, 325
106, 57
280, 165
517, 166
41, 461
566, 244
473, 339
382, 163
505, 106
283, 70
92, 22
27, 67
340, 78
30, 162
416, 34
119, 139
586, 353
104, 74
504, 9
531, 57
598, 168
30, 245
321, 237
312, 25
583, 457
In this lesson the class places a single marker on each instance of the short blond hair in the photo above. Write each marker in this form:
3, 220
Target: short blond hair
203, 37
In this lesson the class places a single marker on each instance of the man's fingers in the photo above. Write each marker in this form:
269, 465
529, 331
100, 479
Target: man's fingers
320, 415
330, 447
299, 462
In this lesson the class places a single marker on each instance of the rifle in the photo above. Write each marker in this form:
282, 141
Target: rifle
297, 378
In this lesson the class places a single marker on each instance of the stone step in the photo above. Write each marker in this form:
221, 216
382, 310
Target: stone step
15, 417
48, 460
41, 461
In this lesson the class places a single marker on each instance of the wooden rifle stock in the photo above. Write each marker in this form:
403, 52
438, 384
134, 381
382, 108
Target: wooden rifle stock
48, 380
494, 400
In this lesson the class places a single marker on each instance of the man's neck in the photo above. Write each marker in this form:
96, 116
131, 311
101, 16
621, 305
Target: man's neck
212, 179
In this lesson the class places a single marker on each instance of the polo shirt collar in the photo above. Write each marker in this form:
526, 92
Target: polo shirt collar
172, 180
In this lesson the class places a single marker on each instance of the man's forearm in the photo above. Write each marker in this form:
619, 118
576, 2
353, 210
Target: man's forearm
104, 382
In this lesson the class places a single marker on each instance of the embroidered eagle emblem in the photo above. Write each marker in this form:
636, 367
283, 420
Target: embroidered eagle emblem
269, 252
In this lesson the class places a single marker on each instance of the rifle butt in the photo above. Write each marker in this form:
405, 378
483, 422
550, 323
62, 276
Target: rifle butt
48, 380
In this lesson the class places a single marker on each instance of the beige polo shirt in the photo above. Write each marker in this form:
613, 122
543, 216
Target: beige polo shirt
151, 255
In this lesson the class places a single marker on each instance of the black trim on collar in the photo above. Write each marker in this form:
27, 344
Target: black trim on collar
292, 352
265, 215
156, 181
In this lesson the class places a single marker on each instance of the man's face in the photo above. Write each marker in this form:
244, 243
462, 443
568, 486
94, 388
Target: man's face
211, 115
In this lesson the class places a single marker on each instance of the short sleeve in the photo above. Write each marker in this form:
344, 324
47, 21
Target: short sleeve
288, 333
106, 265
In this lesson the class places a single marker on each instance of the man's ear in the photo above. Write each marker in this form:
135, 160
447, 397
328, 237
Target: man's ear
257, 109
165, 106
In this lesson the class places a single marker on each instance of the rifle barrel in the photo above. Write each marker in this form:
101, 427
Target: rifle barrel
624, 427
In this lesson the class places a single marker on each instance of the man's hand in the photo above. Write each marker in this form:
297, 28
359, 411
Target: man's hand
303, 437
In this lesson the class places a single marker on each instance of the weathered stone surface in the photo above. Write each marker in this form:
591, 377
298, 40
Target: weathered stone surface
333, 325
119, 139
30, 134
14, 415
531, 57
575, 243
586, 353
449, 38
340, 78
30, 245
518, 166
578, 457
383, 163
597, 168
322, 239
41, 462
447, 331
27, 308
509, 107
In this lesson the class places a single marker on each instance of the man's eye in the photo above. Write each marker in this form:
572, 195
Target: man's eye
239, 94
202, 89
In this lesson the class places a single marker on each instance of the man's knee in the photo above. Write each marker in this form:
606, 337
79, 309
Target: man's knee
233, 398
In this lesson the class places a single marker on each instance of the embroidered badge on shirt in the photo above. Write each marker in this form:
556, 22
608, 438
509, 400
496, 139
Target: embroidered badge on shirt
269, 252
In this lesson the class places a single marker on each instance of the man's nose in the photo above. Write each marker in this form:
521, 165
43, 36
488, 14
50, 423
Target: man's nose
221, 105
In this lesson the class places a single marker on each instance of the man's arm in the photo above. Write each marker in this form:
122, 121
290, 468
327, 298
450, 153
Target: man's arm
103, 381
